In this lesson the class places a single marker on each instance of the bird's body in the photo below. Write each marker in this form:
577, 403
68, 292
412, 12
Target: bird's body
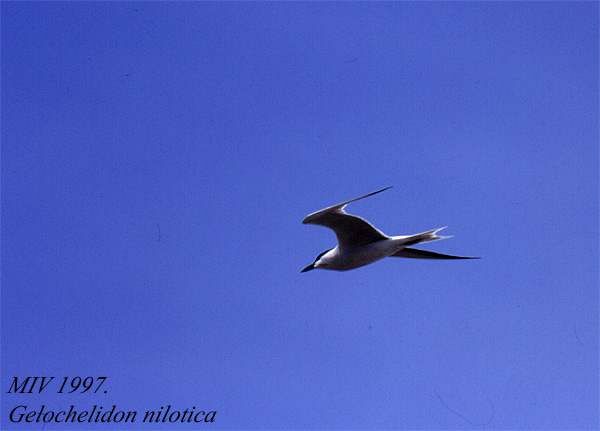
354, 257
360, 243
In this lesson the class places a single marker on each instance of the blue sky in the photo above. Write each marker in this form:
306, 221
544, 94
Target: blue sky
158, 158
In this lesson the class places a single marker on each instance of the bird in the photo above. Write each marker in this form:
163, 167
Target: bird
360, 243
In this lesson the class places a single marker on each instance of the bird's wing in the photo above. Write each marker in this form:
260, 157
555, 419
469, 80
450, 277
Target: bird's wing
350, 230
414, 253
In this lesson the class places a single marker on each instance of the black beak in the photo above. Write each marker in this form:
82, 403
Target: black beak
308, 268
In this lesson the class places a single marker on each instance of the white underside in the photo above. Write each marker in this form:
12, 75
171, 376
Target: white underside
350, 258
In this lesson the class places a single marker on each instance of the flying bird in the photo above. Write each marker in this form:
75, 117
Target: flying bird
360, 243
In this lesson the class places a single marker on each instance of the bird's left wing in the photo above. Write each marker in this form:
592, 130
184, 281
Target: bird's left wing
350, 230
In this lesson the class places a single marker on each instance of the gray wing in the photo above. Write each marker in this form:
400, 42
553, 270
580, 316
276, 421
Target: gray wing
414, 253
350, 230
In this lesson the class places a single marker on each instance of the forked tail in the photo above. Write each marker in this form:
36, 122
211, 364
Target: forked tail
427, 236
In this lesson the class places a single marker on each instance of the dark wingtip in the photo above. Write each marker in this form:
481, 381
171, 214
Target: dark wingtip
307, 219
383, 189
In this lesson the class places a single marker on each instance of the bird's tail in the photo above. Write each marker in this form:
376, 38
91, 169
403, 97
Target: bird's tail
427, 236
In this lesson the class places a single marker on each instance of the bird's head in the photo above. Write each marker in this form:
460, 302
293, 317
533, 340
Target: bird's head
317, 263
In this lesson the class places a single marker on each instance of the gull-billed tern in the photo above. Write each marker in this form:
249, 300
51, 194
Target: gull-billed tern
360, 243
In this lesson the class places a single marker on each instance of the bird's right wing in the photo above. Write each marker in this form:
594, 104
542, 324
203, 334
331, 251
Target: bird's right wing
414, 253
350, 230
